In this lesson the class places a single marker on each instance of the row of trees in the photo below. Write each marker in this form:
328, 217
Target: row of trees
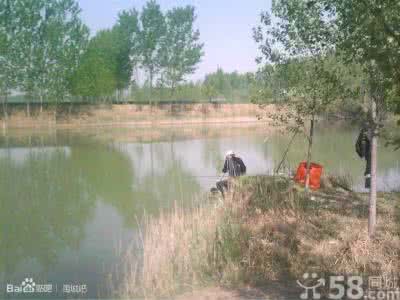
165, 47
46, 55
46, 52
41, 43
216, 86
330, 51
228, 85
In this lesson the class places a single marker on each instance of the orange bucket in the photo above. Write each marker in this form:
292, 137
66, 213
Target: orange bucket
315, 174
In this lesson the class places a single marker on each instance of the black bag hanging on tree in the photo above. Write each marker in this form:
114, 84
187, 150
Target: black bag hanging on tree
363, 149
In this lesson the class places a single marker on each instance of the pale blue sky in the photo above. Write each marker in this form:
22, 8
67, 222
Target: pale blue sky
225, 28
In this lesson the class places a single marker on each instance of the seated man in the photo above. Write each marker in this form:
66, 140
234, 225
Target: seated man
234, 166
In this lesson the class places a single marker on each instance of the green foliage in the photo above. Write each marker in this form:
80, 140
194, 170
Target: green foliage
268, 85
230, 240
370, 34
10, 39
97, 73
184, 92
209, 91
50, 61
181, 49
363, 32
231, 86
44, 51
220, 81
308, 84
235, 87
42, 43
300, 51
153, 29
273, 192
126, 38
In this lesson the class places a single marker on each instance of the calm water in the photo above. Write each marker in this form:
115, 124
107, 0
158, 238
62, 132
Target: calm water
70, 202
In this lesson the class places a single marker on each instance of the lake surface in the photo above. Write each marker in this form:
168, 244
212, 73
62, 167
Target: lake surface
71, 201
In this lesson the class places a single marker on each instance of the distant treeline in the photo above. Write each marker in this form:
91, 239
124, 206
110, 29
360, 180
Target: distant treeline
220, 86
48, 56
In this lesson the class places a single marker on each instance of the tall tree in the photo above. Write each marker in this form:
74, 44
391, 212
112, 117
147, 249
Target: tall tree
50, 42
127, 32
220, 81
8, 50
151, 35
29, 13
97, 75
311, 84
62, 39
370, 35
361, 31
181, 49
209, 91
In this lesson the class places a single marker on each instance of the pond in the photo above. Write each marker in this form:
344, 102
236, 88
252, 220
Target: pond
71, 200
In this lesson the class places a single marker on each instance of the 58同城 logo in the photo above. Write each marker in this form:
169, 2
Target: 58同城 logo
349, 287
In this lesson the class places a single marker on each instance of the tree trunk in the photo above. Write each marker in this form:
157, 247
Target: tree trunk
41, 103
373, 189
70, 110
173, 88
28, 109
151, 89
55, 112
5, 112
310, 144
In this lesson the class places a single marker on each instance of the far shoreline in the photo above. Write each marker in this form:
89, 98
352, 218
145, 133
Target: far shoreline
136, 115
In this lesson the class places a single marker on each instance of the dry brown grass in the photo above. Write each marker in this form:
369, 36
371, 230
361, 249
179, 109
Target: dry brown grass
177, 252
177, 248
266, 230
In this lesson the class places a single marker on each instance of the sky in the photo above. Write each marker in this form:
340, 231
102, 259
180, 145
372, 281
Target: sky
225, 28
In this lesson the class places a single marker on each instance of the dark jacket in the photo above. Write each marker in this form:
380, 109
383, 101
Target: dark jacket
363, 145
234, 166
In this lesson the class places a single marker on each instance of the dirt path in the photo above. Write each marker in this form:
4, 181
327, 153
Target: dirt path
272, 292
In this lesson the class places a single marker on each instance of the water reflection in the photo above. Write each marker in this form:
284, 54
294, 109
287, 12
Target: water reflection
38, 217
55, 199
107, 174
67, 200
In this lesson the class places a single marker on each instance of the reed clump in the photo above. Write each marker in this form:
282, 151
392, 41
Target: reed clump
266, 229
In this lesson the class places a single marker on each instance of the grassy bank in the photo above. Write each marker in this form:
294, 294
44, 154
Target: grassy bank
266, 230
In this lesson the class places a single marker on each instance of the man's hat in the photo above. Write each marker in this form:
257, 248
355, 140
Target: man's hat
229, 153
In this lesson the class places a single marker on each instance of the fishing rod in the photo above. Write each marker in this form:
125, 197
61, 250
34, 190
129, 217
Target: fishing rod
205, 176
286, 152
224, 175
